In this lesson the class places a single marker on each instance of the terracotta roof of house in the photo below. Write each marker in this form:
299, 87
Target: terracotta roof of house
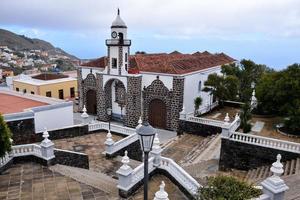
48, 76
12, 104
173, 63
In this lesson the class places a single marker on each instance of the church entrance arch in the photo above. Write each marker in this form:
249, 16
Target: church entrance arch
157, 114
91, 104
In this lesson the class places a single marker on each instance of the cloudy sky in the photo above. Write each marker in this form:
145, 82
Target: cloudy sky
266, 31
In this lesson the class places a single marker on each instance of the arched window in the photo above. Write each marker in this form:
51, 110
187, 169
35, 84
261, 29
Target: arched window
126, 57
199, 86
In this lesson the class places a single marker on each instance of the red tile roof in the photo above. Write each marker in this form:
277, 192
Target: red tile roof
13, 104
173, 63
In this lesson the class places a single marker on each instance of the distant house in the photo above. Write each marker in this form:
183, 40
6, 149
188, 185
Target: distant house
154, 86
47, 84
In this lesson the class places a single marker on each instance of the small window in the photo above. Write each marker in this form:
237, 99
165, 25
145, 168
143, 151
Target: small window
126, 67
48, 94
61, 94
126, 57
114, 63
31, 92
17, 89
72, 92
199, 86
24, 91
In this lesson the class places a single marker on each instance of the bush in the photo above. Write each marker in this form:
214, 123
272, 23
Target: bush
5, 135
227, 188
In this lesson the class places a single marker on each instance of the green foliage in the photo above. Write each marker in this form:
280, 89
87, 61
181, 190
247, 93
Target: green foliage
227, 188
245, 117
245, 73
221, 87
5, 135
279, 93
197, 103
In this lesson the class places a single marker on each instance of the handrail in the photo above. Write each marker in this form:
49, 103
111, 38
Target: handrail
113, 127
138, 172
186, 180
5, 159
123, 143
26, 149
207, 121
266, 142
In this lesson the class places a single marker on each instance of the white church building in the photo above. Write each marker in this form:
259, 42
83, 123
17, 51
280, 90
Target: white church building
154, 86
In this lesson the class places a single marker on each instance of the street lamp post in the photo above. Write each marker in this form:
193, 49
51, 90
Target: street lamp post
146, 135
109, 110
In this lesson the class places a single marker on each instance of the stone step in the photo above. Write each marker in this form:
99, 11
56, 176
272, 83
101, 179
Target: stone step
95, 179
292, 167
286, 168
297, 170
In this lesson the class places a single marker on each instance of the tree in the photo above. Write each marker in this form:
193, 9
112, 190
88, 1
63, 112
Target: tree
292, 122
5, 135
214, 85
246, 73
227, 188
197, 104
245, 117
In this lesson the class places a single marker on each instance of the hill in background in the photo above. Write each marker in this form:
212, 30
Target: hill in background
21, 42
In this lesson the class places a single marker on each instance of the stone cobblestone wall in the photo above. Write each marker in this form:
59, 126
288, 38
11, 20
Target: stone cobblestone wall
133, 101
134, 151
173, 99
197, 128
89, 83
177, 101
24, 133
80, 88
101, 107
242, 156
72, 159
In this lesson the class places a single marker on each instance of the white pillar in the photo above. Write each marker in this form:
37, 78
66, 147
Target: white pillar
161, 194
182, 114
84, 115
109, 143
156, 151
124, 174
274, 186
226, 120
47, 147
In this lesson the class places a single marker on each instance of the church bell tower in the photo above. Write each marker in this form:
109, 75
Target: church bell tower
118, 48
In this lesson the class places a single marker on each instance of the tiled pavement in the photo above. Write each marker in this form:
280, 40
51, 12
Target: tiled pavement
33, 181
93, 146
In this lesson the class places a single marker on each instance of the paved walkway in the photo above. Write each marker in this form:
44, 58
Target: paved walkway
31, 181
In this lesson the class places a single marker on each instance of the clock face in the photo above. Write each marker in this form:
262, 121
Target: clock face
114, 34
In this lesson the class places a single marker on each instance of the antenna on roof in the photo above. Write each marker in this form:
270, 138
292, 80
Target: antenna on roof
118, 11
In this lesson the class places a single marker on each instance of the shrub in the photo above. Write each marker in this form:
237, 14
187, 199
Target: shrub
5, 135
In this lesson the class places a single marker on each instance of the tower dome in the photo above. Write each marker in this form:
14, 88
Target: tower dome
118, 22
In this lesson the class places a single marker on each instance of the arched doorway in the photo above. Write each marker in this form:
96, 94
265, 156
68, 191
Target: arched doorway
91, 102
157, 114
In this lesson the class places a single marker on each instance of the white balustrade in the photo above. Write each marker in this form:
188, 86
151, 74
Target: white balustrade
26, 149
266, 142
5, 159
113, 127
123, 143
205, 121
138, 172
186, 180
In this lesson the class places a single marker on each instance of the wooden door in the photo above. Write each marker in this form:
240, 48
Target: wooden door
91, 103
157, 114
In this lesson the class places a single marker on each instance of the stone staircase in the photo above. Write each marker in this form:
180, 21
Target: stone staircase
197, 151
290, 167
95, 179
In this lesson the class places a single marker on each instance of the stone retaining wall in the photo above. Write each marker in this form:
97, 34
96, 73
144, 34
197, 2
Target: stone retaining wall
71, 158
23, 132
197, 128
244, 156
134, 151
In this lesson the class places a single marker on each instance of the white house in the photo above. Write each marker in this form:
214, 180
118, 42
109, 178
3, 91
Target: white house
154, 86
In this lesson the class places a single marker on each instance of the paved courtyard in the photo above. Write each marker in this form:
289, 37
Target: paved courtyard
93, 146
31, 181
